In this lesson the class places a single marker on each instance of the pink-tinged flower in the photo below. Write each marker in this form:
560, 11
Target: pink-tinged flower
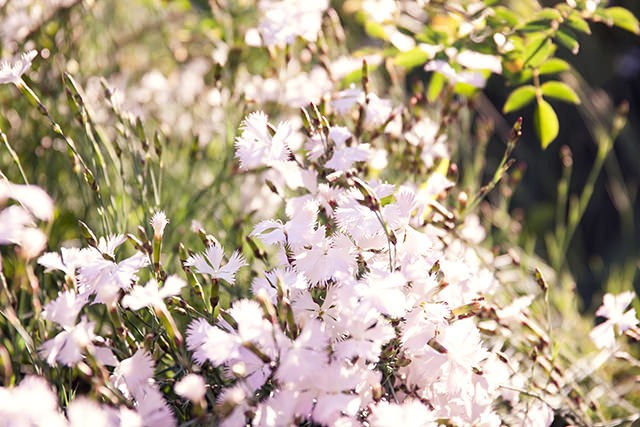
69, 346
256, 148
270, 232
411, 413
12, 71
211, 343
17, 227
82, 409
613, 309
65, 308
473, 78
132, 375
106, 278
153, 409
191, 387
32, 403
32, 198
67, 261
151, 295
210, 262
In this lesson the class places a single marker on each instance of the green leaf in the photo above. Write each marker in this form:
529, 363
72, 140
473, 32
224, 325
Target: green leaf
538, 51
623, 18
561, 91
375, 30
519, 98
575, 21
506, 16
568, 39
411, 58
548, 14
435, 86
545, 121
554, 66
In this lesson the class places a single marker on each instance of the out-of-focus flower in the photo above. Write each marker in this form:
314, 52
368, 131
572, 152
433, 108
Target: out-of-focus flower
613, 309
134, 373
65, 308
283, 20
32, 403
411, 413
11, 71
191, 387
210, 262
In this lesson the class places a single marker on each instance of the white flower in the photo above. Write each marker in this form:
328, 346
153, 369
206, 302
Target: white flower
68, 260
210, 262
12, 71
151, 295
321, 261
210, 343
473, 78
158, 222
68, 346
32, 403
255, 147
106, 278
411, 413
479, 61
283, 20
153, 409
191, 387
65, 308
612, 309
32, 198
133, 374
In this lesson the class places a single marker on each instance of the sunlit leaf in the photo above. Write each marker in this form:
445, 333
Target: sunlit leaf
545, 122
623, 18
554, 66
519, 98
560, 91
411, 58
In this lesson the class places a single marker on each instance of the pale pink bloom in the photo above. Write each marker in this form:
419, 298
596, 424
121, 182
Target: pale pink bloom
270, 232
613, 309
153, 409
344, 100
344, 156
32, 403
411, 413
109, 244
68, 346
31, 197
158, 222
151, 295
191, 387
255, 147
211, 343
82, 409
284, 20
290, 282
17, 227
210, 262
377, 110
321, 261
134, 374
385, 292
106, 278
12, 71
65, 308
67, 261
